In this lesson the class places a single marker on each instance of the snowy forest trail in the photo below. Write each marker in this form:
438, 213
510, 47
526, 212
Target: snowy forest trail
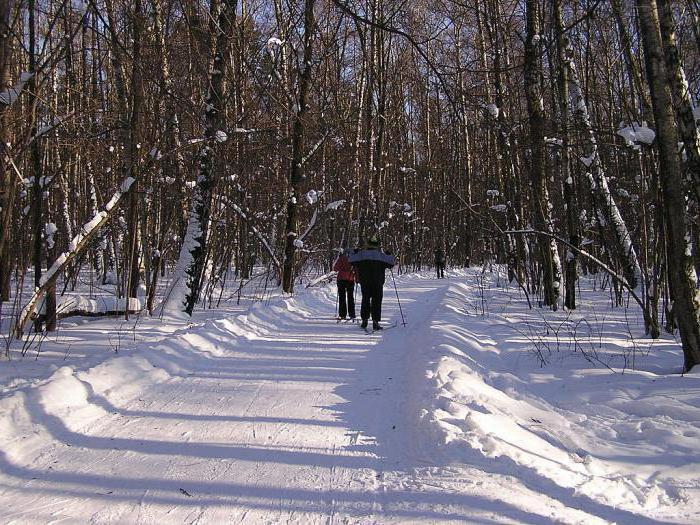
297, 423
276, 415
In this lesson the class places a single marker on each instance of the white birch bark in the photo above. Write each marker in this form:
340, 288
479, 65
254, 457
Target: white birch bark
608, 214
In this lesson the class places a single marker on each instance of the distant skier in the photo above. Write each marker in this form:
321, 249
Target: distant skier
370, 265
346, 286
439, 262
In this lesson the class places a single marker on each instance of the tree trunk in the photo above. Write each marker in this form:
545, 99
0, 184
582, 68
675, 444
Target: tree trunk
299, 128
188, 277
132, 251
682, 277
609, 217
566, 175
683, 104
38, 185
549, 257
7, 174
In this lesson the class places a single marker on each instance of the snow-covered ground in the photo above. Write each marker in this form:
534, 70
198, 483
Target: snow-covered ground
478, 411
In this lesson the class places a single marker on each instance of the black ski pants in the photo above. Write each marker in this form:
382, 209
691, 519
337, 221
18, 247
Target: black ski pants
440, 267
346, 299
372, 294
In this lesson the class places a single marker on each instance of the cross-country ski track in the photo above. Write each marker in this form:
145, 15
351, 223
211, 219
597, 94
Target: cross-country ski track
279, 414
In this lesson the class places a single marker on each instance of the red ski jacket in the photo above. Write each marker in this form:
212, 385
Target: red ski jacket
344, 268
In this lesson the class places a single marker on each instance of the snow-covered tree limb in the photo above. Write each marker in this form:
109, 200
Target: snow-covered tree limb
608, 213
77, 245
257, 233
316, 220
11, 94
314, 148
652, 327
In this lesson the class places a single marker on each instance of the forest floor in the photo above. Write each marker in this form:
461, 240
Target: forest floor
479, 410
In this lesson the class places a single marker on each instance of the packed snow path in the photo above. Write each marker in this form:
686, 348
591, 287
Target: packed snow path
280, 415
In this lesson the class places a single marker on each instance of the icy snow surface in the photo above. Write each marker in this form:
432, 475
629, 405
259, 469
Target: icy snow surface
278, 414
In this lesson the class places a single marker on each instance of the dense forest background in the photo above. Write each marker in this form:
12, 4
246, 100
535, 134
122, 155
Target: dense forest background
162, 146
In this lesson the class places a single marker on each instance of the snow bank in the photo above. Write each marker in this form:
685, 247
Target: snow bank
68, 401
572, 431
101, 305
628, 441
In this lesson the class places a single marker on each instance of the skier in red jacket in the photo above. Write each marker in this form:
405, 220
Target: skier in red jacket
346, 286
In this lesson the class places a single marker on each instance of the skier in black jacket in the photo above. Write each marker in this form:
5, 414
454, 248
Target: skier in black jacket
370, 265
439, 262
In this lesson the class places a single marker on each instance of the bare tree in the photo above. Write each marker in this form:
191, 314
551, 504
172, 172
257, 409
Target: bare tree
683, 280
549, 257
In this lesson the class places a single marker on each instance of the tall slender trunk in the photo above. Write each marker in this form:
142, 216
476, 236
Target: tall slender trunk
133, 160
681, 274
36, 162
566, 175
549, 257
170, 202
505, 158
298, 132
682, 100
619, 240
639, 93
7, 175
464, 148
189, 273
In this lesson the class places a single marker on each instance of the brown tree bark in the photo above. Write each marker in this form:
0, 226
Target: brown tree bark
134, 158
7, 174
570, 261
193, 255
298, 132
549, 257
682, 277
682, 100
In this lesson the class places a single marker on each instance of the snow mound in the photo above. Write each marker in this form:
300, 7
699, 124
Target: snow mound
607, 437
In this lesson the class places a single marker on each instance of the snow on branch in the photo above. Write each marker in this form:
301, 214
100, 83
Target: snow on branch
335, 204
77, 245
316, 219
10, 95
314, 148
43, 130
8, 156
637, 133
493, 110
243, 215
312, 224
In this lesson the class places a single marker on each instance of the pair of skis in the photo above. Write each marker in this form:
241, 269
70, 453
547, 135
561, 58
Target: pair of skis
367, 330
370, 331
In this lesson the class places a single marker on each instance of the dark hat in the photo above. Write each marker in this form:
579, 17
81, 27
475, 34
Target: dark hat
373, 241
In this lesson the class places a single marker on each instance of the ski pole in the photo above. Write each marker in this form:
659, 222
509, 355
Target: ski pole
403, 320
354, 295
337, 294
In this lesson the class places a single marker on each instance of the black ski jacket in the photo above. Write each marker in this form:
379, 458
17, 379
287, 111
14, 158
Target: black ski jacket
370, 264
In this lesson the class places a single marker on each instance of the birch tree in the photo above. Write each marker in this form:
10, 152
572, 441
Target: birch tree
298, 134
549, 257
187, 279
682, 277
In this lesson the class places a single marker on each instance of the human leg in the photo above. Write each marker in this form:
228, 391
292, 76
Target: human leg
342, 301
366, 302
351, 299
377, 297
